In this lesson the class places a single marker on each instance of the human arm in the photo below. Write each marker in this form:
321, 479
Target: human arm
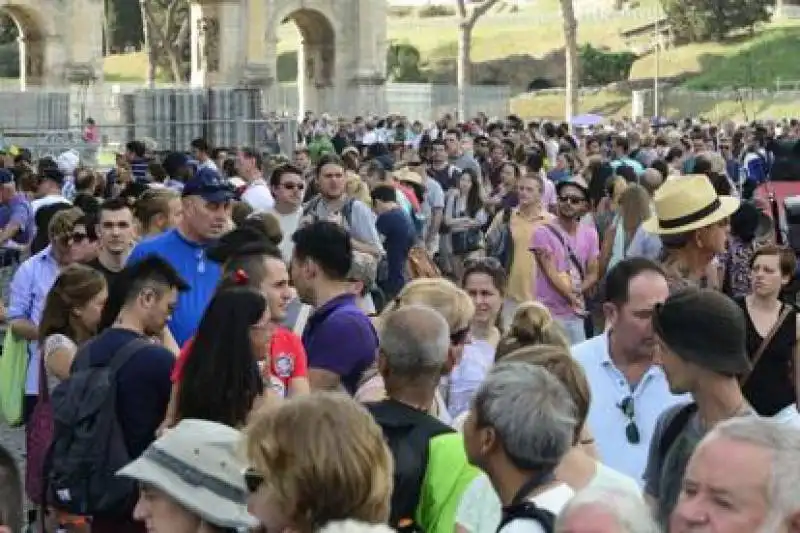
544, 251
20, 303
58, 351
592, 274
606, 248
451, 221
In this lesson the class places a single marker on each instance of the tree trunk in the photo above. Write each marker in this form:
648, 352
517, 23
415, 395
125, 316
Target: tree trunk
149, 48
463, 67
174, 57
571, 46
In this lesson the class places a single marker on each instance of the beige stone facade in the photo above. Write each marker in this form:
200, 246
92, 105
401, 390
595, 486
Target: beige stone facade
342, 62
61, 41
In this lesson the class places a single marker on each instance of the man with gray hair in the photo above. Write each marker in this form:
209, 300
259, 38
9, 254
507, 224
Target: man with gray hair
742, 478
414, 342
521, 424
606, 510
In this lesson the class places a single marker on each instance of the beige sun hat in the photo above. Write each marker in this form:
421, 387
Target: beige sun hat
688, 204
196, 464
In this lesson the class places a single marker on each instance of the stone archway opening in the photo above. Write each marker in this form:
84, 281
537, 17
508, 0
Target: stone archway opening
29, 46
316, 59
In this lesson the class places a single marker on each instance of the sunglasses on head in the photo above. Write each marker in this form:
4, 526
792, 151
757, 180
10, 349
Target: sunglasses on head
252, 480
491, 263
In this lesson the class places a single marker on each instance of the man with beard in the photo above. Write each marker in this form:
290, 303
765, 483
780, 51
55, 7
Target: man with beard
115, 231
206, 217
567, 254
339, 338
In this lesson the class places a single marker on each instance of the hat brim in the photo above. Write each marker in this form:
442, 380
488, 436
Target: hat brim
215, 197
198, 500
728, 206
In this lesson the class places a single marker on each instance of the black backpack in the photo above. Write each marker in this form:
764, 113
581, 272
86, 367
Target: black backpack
521, 508
674, 428
501, 243
88, 445
408, 433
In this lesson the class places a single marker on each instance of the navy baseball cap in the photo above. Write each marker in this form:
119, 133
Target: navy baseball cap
174, 161
209, 185
6, 176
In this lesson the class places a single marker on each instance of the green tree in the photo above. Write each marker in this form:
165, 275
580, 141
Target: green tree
403, 64
123, 25
713, 20
9, 47
601, 68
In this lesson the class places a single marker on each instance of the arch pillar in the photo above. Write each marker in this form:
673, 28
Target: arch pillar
344, 63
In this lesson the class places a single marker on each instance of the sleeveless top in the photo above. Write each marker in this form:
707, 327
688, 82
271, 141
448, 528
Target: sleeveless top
770, 386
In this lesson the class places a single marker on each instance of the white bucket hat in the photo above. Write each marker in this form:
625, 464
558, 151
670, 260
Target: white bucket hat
195, 464
687, 204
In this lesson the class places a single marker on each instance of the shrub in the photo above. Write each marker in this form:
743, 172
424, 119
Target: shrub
599, 67
434, 10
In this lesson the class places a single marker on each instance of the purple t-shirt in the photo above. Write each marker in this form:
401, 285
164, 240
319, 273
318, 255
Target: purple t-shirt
586, 245
340, 338
19, 210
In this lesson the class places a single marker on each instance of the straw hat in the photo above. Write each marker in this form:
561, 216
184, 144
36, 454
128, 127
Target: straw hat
688, 204
405, 175
195, 464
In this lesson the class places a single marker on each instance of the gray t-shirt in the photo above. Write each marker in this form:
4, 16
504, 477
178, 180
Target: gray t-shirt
663, 475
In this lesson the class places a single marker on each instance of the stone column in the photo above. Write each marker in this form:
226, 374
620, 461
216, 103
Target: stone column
368, 81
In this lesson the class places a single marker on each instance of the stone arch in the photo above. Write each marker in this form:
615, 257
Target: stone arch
60, 42
344, 43
316, 69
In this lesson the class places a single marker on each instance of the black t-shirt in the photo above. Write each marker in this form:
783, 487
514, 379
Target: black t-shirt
110, 275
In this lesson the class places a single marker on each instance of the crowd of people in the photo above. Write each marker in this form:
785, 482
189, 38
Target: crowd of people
475, 327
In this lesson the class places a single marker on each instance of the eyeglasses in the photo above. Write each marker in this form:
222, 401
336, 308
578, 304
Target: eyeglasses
574, 200
252, 480
631, 430
294, 186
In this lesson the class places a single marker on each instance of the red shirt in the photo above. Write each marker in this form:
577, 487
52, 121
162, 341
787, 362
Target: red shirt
287, 360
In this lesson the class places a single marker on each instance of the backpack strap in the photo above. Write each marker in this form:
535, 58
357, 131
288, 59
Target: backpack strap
128, 350
311, 205
528, 511
347, 212
674, 428
83, 362
506, 215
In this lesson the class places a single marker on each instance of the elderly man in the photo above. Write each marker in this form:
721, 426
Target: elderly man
414, 342
605, 510
742, 478
521, 424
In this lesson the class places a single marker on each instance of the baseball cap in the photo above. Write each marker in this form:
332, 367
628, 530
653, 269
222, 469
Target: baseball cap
209, 185
174, 161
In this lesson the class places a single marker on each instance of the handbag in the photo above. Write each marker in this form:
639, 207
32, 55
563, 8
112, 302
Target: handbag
38, 438
13, 372
467, 241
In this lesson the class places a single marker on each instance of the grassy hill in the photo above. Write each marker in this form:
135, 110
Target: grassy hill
746, 61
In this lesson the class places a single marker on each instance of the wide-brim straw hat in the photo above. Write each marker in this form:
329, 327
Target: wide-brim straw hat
405, 175
196, 464
687, 204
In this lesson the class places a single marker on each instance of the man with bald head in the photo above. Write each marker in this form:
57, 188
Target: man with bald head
414, 342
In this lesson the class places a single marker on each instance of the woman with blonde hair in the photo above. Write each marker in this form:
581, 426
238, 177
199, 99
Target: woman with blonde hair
455, 306
480, 508
532, 325
626, 237
333, 465
158, 210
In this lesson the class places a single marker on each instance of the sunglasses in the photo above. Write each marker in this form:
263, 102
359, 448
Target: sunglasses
252, 480
294, 186
573, 200
491, 263
631, 430
75, 238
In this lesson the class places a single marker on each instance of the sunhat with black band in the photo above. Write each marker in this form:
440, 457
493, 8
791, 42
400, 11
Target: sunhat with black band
686, 204
195, 463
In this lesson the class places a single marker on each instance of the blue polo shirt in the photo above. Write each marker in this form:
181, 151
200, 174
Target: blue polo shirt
190, 261
340, 338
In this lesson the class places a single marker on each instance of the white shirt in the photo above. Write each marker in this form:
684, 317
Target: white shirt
258, 196
606, 420
289, 224
50, 199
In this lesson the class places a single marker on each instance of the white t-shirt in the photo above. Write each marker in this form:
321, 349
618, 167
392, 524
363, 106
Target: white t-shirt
258, 196
480, 509
289, 224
